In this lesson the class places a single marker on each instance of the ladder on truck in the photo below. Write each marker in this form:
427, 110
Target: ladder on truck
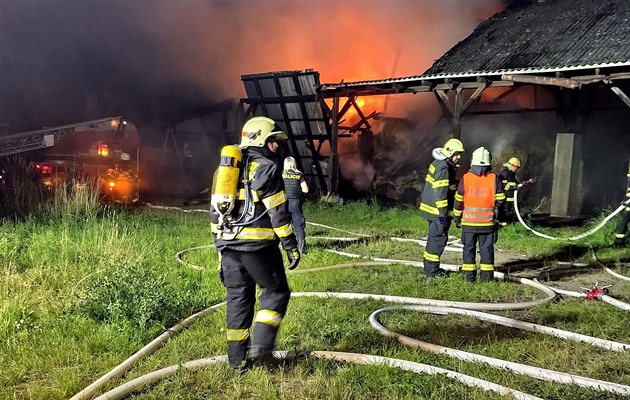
47, 137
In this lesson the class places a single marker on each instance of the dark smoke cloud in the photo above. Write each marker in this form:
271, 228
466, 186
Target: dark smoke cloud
157, 61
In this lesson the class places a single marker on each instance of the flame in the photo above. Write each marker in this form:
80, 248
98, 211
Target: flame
367, 105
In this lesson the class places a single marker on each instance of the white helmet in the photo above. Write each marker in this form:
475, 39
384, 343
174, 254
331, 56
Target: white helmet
258, 130
481, 156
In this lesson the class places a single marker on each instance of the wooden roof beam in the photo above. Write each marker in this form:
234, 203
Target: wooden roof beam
543, 80
621, 95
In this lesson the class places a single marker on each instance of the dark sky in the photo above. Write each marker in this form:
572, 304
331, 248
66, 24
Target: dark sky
156, 61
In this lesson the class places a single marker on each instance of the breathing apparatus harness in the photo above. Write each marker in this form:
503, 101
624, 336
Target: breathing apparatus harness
225, 193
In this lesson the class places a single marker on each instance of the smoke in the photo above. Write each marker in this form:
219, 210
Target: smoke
63, 61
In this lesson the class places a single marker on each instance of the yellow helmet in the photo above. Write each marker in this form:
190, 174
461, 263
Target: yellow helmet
258, 130
514, 162
452, 146
481, 157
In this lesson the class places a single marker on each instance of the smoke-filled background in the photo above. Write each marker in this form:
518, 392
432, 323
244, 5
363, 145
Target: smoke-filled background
158, 62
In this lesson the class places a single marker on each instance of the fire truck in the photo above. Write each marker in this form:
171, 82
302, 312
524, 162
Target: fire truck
103, 151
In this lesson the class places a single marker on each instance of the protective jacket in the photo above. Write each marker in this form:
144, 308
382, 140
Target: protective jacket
509, 181
292, 182
439, 189
271, 219
477, 195
250, 257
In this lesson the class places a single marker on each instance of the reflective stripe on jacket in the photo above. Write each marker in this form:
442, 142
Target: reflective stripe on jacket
476, 198
509, 181
270, 202
439, 189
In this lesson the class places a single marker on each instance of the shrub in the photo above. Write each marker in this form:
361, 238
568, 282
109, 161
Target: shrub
129, 295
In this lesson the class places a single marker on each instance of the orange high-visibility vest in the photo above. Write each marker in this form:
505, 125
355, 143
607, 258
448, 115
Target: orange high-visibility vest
478, 199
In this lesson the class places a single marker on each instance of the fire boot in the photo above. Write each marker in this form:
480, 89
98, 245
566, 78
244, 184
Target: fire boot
441, 273
469, 276
486, 276
237, 356
260, 355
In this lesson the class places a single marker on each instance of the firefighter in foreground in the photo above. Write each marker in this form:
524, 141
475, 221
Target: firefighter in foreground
296, 188
479, 192
622, 225
248, 217
437, 203
509, 181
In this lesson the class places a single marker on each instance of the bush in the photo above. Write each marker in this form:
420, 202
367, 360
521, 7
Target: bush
130, 295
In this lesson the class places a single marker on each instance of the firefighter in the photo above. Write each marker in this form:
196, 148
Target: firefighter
622, 225
296, 187
437, 203
478, 194
509, 181
246, 235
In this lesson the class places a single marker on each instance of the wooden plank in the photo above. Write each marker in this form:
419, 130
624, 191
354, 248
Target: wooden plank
333, 159
473, 97
543, 80
445, 100
621, 95
620, 75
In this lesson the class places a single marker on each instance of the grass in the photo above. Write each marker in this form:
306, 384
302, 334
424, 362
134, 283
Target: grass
83, 287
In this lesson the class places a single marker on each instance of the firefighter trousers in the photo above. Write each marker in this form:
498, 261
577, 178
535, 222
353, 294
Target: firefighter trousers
299, 222
240, 273
507, 213
436, 242
486, 240
621, 229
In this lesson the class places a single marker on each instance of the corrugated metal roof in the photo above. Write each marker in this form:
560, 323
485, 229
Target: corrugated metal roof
544, 36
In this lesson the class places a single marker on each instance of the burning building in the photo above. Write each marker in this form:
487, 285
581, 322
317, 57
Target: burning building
543, 80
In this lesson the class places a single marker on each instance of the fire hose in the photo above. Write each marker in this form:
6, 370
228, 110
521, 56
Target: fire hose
440, 307
572, 238
596, 292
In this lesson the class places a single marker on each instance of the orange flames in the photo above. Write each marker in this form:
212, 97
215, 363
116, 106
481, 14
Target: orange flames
367, 105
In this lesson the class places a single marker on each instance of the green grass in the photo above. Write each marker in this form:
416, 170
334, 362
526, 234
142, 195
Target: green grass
83, 288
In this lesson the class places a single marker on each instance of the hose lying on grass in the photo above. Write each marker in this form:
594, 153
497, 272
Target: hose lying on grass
572, 238
603, 297
408, 303
365, 359
598, 295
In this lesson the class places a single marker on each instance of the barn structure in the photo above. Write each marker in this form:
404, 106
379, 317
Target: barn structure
568, 58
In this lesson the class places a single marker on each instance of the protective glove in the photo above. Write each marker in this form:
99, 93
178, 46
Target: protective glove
458, 222
527, 182
441, 224
293, 255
